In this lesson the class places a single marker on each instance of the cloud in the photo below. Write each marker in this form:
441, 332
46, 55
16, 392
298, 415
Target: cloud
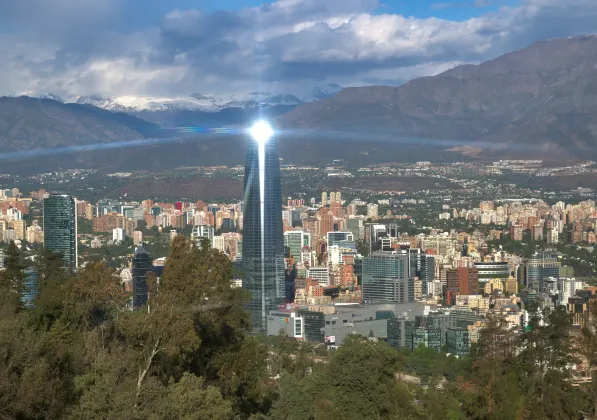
107, 47
475, 3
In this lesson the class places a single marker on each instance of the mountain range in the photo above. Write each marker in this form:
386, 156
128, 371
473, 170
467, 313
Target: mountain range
198, 101
31, 123
538, 102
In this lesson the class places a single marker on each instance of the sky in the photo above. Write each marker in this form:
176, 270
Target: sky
228, 47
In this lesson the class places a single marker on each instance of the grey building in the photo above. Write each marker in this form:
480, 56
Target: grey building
263, 242
457, 341
422, 266
492, 270
335, 237
142, 265
434, 330
290, 323
539, 267
356, 227
386, 278
296, 240
367, 320
60, 228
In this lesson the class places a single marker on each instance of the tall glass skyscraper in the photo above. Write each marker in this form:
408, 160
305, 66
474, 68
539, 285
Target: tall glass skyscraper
142, 265
60, 228
386, 278
263, 242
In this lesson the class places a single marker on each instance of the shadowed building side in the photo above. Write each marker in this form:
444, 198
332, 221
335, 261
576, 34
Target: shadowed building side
263, 243
142, 265
60, 228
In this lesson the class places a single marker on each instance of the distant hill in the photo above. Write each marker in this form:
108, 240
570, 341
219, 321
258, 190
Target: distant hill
541, 100
537, 102
28, 123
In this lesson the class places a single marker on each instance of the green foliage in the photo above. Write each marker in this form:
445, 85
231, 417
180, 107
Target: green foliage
11, 281
83, 354
359, 382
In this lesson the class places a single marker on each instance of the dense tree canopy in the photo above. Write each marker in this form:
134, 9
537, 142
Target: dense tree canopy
81, 353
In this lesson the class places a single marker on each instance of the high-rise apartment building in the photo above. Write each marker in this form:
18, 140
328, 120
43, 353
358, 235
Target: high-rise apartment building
462, 281
386, 278
326, 223
296, 240
118, 235
372, 210
60, 228
219, 243
332, 198
201, 232
516, 232
142, 265
320, 274
539, 267
263, 242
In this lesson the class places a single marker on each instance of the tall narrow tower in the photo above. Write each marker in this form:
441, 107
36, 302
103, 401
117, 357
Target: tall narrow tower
60, 228
142, 265
263, 242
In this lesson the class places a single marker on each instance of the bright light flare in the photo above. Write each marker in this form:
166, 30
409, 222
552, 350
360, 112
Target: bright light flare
261, 132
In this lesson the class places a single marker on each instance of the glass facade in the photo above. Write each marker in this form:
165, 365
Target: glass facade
296, 240
492, 270
313, 325
60, 228
30, 289
334, 237
263, 243
386, 278
428, 337
457, 341
142, 265
540, 266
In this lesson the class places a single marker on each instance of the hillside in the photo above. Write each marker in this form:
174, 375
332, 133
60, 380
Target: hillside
28, 123
538, 101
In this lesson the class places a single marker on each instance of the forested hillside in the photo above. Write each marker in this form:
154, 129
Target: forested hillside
80, 354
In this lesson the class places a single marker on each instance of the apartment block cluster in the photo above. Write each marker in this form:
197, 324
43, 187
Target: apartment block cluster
13, 226
542, 221
125, 219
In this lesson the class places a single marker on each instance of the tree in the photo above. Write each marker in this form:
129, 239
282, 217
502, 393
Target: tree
191, 399
11, 280
359, 382
544, 362
493, 362
588, 346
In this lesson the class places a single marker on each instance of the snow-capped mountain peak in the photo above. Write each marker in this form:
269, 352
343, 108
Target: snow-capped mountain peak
198, 101
50, 96
324, 91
